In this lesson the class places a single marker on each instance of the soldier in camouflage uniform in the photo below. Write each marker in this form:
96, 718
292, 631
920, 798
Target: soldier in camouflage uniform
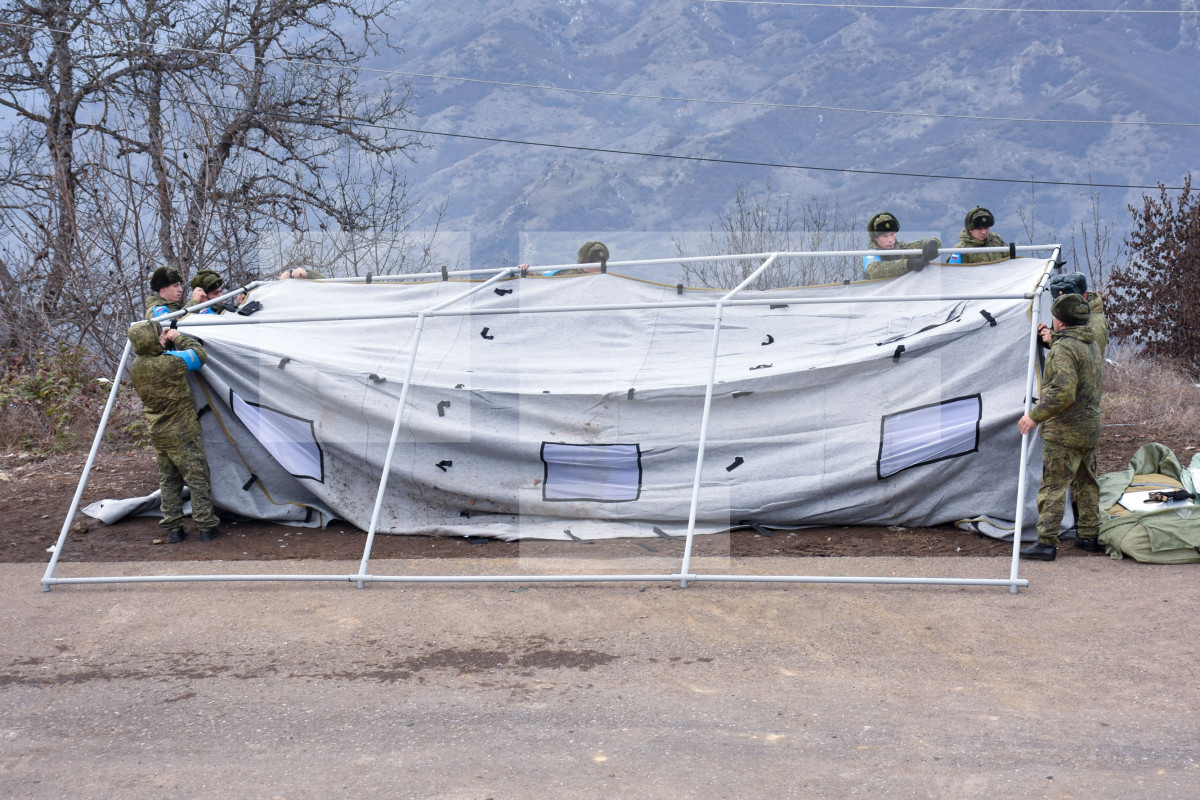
1069, 413
167, 285
159, 375
882, 229
977, 232
1076, 283
301, 272
589, 253
206, 285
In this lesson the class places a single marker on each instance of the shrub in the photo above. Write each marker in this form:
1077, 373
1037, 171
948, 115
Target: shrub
1156, 297
53, 402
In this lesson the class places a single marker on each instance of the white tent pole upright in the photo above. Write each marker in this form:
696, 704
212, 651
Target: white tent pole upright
400, 404
1035, 313
387, 460
708, 393
87, 467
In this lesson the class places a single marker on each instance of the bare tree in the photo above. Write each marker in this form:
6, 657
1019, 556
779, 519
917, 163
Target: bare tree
206, 123
1033, 233
1094, 248
772, 224
381, 231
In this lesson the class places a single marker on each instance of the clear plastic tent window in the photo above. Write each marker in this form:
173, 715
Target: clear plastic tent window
930, 433
609, 473
290, 440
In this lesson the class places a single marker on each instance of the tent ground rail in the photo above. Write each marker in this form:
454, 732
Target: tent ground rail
678, 577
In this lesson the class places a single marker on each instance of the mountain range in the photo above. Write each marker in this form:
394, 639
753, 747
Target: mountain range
553, 121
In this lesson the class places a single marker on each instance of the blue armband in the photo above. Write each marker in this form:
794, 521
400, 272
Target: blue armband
867, 260
189, 357
159, 311
955, 258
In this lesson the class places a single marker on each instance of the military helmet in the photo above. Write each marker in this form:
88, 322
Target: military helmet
1068, 283
592, 253
1072, 309
208, 280
164, 276
883, 222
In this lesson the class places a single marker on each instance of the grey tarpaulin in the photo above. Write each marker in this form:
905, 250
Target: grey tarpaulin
539, 423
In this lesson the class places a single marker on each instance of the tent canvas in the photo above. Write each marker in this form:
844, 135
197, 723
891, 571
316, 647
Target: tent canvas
573, 407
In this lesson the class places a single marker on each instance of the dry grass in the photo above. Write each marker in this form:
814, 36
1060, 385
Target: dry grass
1138, 391
1146, 401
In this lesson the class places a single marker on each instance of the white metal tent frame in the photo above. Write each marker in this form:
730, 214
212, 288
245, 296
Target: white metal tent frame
686, 571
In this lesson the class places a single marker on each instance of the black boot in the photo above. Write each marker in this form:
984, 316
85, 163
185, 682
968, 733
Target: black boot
1089, 543
176, 536
1040, 552
210, 534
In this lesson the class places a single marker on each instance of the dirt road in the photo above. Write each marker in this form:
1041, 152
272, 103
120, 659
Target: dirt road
1084, 685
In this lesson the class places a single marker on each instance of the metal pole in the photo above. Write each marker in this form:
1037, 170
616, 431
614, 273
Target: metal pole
87, 467
652, 262
1030, 374
387, 461
901, 298
708, 392
614, 578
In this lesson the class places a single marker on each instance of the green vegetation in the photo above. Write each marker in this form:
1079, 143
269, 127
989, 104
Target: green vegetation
1155, 298
52, 402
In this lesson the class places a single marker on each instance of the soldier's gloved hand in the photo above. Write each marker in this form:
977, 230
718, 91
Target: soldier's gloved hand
929, 251
228, 305
916, 263
250, 308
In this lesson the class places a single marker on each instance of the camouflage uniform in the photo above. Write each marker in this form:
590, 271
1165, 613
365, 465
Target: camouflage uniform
1076, 283
160, 379
211, 282
589, 253
157, 307
1069, 415
966, 241
892, 266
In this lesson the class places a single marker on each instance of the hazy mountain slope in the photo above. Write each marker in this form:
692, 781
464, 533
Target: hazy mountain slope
1050, 66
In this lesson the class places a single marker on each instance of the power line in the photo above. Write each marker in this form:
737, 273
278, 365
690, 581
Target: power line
661, 98
879, 6
677, 157
695, 159
773, 165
